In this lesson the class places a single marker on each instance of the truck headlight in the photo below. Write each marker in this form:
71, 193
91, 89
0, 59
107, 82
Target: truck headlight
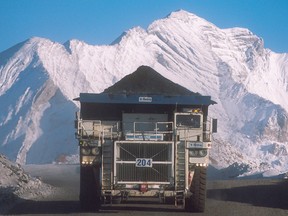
202, 152
95, 151
85, 150
198, 152
193, 153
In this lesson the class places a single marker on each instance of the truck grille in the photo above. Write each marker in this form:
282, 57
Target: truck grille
160, 153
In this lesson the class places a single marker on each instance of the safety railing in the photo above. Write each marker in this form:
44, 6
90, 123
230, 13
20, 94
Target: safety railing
155, 131
97, 130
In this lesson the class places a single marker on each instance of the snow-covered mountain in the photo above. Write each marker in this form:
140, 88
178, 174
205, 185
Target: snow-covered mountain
39, 78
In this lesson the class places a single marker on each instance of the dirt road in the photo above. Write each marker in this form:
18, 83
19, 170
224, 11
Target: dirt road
265, 197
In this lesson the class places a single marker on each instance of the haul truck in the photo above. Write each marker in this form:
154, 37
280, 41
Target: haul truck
134, 145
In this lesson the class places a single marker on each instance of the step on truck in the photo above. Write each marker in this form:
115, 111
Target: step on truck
134, 145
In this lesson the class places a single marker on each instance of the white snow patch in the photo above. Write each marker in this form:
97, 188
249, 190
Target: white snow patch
8, 117
23, 100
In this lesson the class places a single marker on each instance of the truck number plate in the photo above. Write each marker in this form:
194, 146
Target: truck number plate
143, 162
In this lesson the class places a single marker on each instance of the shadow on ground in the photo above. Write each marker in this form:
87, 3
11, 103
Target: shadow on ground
73, 207
45, 207
271, 196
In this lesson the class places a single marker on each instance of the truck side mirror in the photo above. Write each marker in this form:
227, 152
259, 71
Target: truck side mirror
214, 125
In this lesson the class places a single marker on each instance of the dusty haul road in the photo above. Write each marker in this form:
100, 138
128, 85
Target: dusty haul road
256, 197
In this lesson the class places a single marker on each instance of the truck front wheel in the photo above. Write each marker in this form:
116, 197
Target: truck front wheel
196, 203
90, 194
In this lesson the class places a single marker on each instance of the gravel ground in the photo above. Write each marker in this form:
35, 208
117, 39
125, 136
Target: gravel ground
255, 197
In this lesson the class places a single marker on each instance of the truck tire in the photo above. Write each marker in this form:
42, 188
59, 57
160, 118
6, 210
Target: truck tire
90, 194
196, 203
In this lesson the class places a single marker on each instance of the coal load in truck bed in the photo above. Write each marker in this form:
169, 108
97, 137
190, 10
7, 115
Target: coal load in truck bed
145, 80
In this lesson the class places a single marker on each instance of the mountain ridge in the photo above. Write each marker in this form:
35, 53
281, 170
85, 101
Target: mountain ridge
248, 82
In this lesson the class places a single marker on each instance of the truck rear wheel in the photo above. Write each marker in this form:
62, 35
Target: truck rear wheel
90, 194
196, 203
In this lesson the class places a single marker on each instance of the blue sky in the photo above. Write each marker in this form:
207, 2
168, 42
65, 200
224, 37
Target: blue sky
99, 22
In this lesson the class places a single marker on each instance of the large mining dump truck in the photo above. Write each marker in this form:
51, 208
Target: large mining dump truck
150, 141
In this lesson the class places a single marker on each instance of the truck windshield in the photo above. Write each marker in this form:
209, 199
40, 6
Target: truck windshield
188, 121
